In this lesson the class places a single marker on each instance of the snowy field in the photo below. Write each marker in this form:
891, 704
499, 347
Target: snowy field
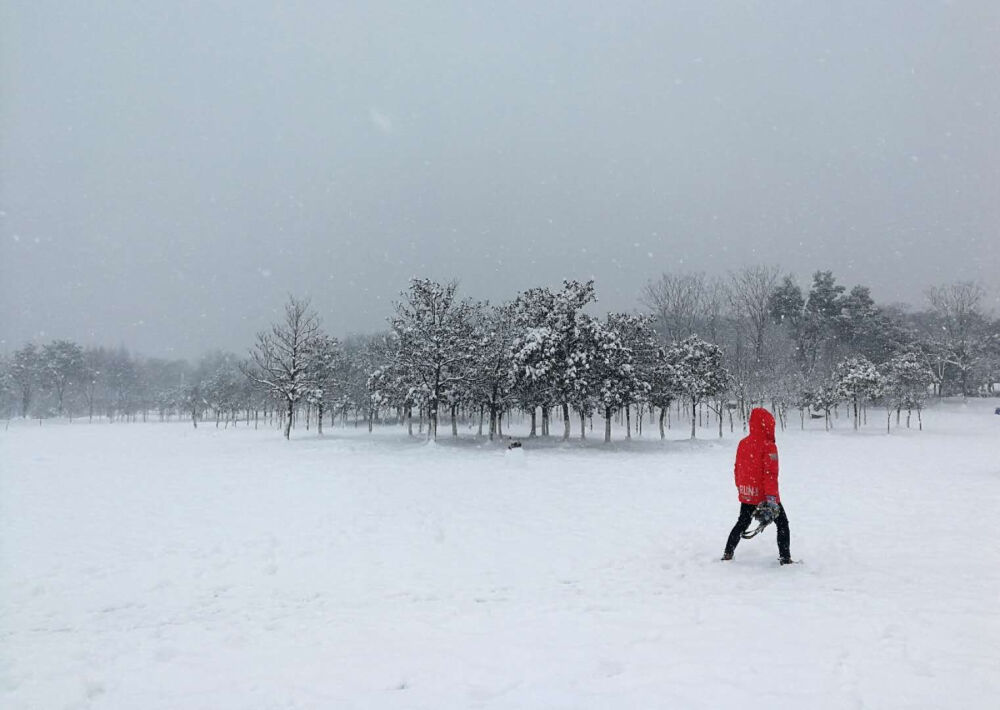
156, 566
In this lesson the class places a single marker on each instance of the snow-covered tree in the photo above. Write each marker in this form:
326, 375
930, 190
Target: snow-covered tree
534, 351
435, 341
800, 394
6, 387
218, 383
494, 381
369, 377
533, 356
906, 381
825, 398
858, 381
25, 374
663, 388
323, 371
94, 368
820, 319
786, 303
61, 369
571, 344
279, 361
618, 379
961, 333
121, 379
697, 372
583, 373
628, 362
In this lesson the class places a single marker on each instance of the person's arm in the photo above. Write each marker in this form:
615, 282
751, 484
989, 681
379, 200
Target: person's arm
770, 477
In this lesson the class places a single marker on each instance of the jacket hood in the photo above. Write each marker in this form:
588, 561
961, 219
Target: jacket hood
762, 424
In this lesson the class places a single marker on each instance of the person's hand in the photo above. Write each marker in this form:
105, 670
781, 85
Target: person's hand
767, 511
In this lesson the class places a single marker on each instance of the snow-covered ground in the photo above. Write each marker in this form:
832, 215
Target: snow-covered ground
157, 566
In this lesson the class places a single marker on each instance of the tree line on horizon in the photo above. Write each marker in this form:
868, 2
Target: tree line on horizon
704, 348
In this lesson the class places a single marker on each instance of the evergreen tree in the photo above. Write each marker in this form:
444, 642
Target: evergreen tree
858, 381
619, 382
494, 383
820, 319
696, 367
637, 340
906, 381
435, 341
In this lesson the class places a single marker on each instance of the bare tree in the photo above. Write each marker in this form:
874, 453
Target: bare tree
750, 295
677, 301
279, 361
958, 307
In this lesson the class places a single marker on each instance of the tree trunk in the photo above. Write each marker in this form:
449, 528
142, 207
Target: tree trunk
545, 420
565, 411
454, 420
628, 421
663, 415
533, 423
583, 426
694, 416
319, 419
607, 425
288, 419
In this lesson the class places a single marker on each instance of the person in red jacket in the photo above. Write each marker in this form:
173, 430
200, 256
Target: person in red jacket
756, 472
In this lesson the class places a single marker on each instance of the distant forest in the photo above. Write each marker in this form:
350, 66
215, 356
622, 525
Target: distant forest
698, 353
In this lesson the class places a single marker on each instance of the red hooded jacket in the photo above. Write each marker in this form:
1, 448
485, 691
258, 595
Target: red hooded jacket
757, 460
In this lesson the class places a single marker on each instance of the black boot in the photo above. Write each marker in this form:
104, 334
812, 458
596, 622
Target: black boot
726, 556
786, 560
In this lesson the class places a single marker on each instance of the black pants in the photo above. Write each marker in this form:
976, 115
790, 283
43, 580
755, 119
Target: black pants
746, 517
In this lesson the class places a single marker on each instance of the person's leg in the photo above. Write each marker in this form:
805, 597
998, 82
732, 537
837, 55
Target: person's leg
784, 536
742, 523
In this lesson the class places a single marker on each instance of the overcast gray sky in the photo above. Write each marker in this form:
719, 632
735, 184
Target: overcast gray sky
171, 170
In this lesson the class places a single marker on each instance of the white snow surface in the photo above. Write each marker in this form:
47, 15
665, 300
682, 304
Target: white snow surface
158, 566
